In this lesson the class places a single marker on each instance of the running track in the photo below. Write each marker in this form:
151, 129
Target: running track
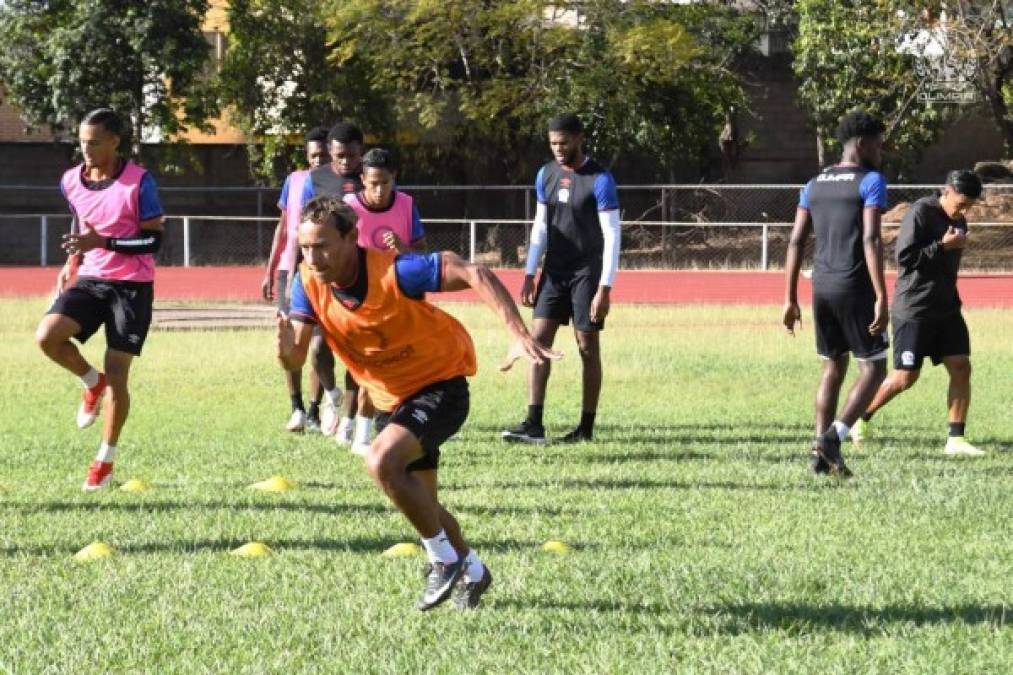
242, 284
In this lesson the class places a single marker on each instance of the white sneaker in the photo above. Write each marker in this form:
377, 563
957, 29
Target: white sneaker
956, 446
343, 434
360, 449
297, 422
328, 420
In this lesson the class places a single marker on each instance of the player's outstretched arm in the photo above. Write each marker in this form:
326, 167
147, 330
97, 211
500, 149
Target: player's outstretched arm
292, 341
459, 275
792, 314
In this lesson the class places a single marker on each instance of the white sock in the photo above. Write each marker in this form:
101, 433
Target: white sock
334, 396
90, 379
344, 425
842, 429
106, 453
363, 425
474, 569
439, 549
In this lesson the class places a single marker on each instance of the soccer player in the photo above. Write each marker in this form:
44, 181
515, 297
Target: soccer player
343, 176
843, 205
387, 220
411, 357
119, 216
282, 260
926, 306
577, 227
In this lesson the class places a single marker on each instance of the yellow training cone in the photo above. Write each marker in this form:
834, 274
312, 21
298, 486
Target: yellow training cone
252, 550
94, 551
403, 550
136, 485
274, 484
557, 547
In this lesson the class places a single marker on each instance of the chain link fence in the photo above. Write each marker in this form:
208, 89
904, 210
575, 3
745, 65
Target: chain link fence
664, 227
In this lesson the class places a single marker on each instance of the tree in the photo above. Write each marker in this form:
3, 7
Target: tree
64, 57
847, 57
484, 75
277, 81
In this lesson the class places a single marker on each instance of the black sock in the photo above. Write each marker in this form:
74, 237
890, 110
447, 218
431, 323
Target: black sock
587, 423
867, 416
297, 403
535, 414
956, 428
314, 412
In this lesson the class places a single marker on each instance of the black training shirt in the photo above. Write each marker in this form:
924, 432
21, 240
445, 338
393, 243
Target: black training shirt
926, 273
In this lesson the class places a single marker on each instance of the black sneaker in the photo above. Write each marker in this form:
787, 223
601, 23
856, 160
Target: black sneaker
439, 583
828, 447
526, 432
817, 464
578, 435
467, 594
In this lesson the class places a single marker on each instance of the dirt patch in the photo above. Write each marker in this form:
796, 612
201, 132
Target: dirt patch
178, 316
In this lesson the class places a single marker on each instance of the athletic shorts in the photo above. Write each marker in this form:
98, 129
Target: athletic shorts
917, 339
842, 326
433, 415
561, 299
123, 307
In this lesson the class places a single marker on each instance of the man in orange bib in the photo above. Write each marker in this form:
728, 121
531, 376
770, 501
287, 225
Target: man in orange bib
413, 360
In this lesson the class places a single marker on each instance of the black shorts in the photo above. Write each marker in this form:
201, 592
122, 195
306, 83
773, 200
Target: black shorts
842, 325
433, 415
563, 298
123, 307
917, 339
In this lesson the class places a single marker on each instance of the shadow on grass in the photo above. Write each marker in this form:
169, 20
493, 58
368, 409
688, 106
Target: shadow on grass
795, 618
326, 509
619, 484
367, 545
803, 617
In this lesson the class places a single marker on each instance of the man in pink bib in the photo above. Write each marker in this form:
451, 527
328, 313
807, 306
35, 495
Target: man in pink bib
115, 204
280, 269
387, 220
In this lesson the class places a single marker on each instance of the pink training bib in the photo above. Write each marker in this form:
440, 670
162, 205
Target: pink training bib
373, 225
112, 212
293, 215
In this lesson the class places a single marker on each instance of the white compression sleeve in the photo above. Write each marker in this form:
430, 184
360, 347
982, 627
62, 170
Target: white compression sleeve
539, 234
611, 231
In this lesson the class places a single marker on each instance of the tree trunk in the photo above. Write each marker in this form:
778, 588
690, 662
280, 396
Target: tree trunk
821, 150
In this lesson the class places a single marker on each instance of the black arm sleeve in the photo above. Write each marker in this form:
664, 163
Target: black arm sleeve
913, 251
147, 241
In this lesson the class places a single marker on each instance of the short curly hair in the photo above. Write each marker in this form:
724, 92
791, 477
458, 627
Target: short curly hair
330, 209
858, 124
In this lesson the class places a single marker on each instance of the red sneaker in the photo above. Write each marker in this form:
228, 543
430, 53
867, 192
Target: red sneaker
100, 474
91, 401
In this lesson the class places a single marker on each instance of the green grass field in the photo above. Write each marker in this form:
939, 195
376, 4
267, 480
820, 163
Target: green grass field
701, 543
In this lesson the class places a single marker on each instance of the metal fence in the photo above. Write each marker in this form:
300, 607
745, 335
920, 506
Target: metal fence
664, 227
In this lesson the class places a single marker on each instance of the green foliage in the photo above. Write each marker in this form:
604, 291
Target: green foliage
278, 80
147, 59
846, 57
483, 77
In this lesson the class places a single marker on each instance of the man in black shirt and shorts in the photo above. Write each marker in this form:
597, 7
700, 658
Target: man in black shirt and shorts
927, 322
844, 205
577, 226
